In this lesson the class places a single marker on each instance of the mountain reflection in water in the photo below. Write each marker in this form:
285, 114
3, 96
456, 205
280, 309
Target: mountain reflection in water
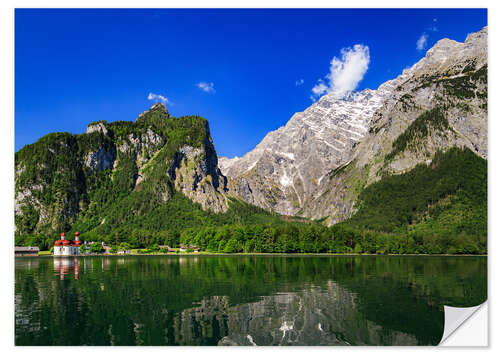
241, 300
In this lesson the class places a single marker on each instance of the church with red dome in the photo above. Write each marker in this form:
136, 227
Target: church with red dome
64, 247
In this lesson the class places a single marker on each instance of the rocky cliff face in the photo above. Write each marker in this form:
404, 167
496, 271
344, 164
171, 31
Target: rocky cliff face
197, 176
57, 176
318, 163
287, 166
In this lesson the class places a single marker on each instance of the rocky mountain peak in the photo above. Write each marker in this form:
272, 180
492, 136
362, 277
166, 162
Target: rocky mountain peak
480, 37
158, 106
154, 158
444, 56
288, 167
156, 109
97, 127
442, 48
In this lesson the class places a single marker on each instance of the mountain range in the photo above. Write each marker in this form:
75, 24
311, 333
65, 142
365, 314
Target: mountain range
331, 163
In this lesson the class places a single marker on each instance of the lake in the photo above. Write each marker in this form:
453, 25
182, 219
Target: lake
241, 300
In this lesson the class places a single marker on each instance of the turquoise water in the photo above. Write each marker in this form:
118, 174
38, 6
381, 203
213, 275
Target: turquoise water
241, 300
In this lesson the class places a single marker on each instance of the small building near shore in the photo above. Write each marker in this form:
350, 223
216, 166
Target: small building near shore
184, 248
26, 251
167, 247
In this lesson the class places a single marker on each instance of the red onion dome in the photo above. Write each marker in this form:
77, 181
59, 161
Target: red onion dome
63, 234
65, 242
58, 243
77, 233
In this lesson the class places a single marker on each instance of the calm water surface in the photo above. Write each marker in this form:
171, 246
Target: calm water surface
241, 300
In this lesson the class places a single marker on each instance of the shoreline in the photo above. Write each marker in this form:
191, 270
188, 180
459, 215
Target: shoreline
253, 254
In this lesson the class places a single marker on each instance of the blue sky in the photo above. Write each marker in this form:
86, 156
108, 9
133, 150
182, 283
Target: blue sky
246, 71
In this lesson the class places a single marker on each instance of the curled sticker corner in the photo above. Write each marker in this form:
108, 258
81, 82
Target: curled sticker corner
454, 317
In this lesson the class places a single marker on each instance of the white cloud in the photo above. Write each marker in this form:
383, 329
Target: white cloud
299, 82
422, 42
319, 88
345, 73
433, 27
158, 97
206, 87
